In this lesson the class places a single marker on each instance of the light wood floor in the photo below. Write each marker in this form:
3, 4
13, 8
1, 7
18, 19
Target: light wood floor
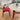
16, 17
5, 17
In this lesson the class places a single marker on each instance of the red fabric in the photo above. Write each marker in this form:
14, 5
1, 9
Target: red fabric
13, 14
7, 9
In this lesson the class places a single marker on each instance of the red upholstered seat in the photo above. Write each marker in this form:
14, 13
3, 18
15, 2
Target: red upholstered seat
7, 9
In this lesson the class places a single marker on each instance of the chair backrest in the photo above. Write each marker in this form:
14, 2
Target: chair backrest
13, 11
3, 7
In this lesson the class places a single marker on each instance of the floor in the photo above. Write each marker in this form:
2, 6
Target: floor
16, 17
5, 17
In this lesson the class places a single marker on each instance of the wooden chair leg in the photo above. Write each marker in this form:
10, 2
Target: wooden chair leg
3, 14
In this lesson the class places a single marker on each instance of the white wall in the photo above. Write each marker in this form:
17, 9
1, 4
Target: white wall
13, 7
5, 2
18, 9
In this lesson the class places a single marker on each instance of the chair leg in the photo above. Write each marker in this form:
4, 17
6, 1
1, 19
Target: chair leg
3, 14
